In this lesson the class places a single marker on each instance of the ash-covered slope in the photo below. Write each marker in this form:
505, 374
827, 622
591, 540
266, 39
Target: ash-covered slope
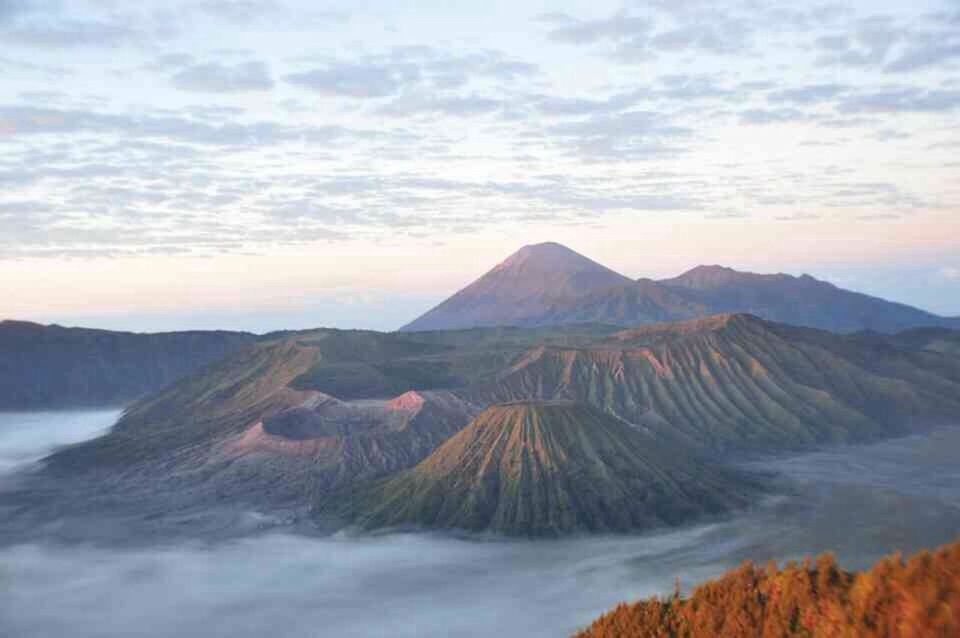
521, 290
43, 367
737, 382
545, 468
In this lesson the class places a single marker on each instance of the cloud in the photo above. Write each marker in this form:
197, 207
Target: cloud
722, 37
411, 69
635, 134
51, 25
247, 12
423, 104
646, 30
355, 80
224, 78
772, 116
929, 54
620, 26
27, 120
902, 100
809, 94
72, 33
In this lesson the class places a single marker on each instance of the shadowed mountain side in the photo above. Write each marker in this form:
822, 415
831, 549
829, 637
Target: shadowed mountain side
736, 382
895, 598
43, 367
534, 468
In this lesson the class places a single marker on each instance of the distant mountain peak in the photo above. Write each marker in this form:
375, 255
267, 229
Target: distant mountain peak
522, 287
551, 255
548, 284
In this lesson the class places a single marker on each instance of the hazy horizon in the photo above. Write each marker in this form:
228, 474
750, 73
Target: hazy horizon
267, 164
389, 310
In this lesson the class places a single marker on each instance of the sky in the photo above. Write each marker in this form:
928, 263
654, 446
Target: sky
258, 164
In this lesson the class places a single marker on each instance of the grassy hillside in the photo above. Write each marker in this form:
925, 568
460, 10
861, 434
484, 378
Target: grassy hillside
896, 598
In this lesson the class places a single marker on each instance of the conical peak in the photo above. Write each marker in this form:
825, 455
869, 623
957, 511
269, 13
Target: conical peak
550, 256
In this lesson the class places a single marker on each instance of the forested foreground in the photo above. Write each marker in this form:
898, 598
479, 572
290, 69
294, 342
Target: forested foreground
917, 597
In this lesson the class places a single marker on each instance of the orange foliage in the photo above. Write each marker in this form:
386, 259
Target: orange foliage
912, 599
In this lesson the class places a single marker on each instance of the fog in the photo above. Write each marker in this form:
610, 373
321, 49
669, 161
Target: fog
26, 437
861, 502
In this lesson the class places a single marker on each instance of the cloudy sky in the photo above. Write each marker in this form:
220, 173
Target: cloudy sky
264, 164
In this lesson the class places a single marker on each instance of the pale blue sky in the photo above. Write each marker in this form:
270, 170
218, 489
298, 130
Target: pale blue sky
258, 164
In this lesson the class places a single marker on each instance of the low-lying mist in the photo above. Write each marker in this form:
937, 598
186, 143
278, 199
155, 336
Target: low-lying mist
860, 502
26, 437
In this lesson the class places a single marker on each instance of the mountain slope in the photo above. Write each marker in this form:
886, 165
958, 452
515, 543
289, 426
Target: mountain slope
538, 468
44, 367
548, 285
520, 289
736, 382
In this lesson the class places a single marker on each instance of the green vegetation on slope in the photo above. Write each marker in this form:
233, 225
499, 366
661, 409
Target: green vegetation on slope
536, 468
919, 597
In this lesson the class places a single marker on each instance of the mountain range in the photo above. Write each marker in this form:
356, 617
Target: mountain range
516, 431
566, 420
549, 284
542, 286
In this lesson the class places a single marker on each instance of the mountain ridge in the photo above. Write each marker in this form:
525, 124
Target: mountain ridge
504, 296
52, 366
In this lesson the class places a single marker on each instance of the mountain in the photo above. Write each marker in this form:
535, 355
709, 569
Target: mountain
548, 285
521, 289
895, 598
800, 300
737, 382
44, 367
300, 413
263, 427
544, 468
